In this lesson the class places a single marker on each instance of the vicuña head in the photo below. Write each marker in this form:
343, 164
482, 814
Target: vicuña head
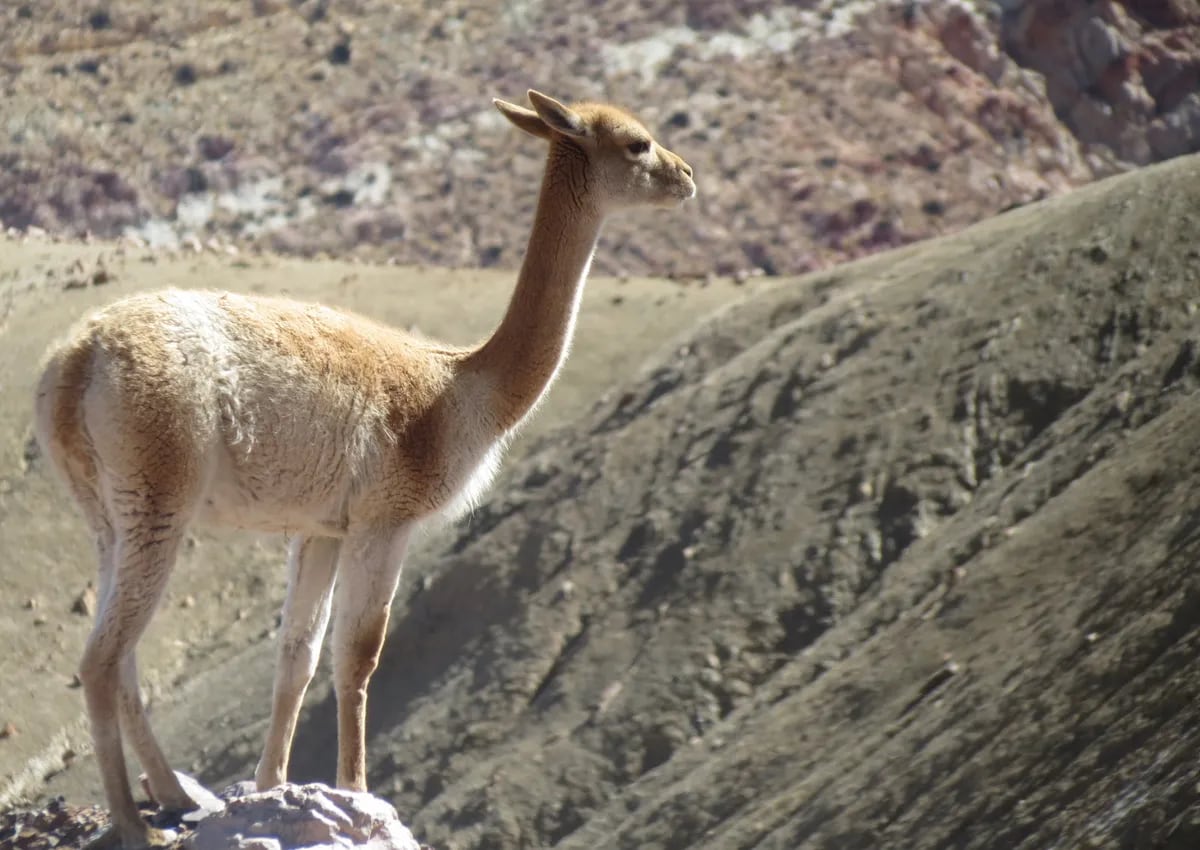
174, 407
622, 163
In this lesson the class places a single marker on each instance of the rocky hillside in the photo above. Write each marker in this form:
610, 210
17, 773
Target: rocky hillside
819, 131
896, 555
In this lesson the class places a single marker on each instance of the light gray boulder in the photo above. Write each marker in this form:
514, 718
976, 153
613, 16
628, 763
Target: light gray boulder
302, 817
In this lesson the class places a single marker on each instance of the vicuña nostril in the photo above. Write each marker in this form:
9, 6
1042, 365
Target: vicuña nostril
687, 169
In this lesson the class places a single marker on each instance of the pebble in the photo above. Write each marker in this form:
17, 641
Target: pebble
85, 602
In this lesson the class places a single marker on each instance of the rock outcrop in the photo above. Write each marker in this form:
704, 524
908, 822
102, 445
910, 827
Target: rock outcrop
292, 817
1122, 74
302, 817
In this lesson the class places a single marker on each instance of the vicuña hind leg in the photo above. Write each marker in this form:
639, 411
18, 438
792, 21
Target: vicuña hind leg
134, 724
312, 562
142, 560
367, 577
81, 475
164, 784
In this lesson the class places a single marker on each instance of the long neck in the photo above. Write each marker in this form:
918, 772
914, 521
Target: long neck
519, 361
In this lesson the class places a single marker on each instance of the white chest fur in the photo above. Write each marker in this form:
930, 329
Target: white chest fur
475, 482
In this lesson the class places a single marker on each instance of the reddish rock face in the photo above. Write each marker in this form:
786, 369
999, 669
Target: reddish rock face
1122, 75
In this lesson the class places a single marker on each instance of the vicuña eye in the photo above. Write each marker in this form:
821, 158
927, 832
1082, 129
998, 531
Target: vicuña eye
638, 148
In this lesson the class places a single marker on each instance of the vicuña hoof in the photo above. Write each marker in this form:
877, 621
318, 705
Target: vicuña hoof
183, 795
168, 799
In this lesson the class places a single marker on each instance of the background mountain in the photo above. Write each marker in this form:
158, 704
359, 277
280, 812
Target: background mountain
818, 130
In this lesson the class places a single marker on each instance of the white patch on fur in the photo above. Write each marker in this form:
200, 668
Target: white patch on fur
469, 495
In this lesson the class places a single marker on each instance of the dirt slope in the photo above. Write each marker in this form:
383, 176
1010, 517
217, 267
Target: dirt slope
900, 555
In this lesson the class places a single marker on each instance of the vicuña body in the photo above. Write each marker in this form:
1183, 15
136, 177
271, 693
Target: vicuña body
174, 407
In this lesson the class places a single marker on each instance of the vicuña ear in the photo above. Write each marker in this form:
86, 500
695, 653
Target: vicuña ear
526, 119
560, 118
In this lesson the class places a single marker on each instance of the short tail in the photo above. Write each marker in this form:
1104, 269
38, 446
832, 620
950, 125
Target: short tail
58, 408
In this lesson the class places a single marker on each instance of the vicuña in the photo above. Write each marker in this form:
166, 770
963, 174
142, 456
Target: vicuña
176, 407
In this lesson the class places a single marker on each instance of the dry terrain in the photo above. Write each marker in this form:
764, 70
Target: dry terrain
897, 552
900, 554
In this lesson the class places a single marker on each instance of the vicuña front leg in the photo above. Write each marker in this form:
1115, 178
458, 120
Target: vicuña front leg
311, 565
367, 577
